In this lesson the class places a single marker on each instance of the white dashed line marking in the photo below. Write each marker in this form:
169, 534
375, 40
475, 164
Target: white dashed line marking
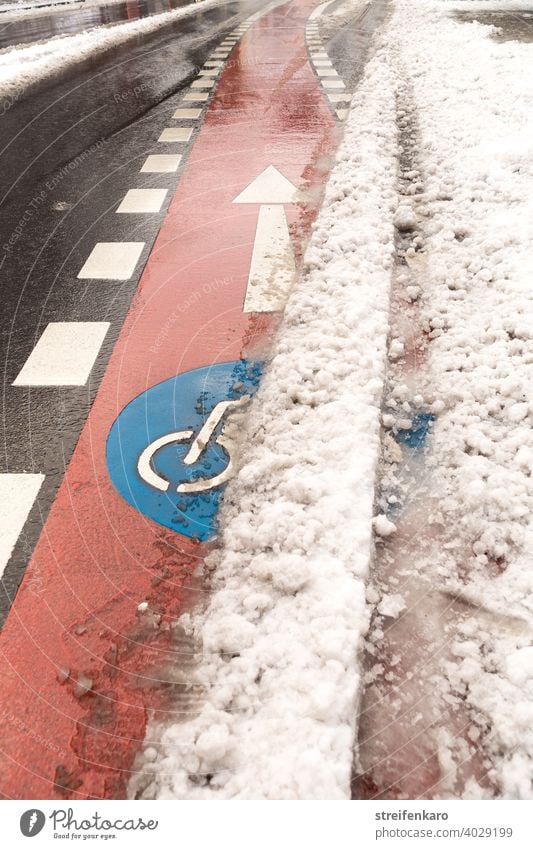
175, 134
339, 98
17, 496
64, 355
214, 63
342, 113
196, 96
161, 163
112, 261
191, 114
327, 72
143, 200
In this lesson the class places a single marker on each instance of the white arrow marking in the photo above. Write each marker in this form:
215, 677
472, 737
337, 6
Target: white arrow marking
272, 268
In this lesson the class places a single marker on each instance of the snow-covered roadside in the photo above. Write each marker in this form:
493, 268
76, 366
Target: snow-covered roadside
471, 543
283, 629
22, 66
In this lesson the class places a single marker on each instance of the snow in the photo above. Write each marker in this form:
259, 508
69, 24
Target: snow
283, 628
22, 66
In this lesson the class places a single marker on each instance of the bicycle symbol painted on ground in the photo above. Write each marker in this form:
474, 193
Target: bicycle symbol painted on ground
171, 450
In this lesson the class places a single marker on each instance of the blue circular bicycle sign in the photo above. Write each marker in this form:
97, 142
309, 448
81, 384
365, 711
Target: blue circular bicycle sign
170, 451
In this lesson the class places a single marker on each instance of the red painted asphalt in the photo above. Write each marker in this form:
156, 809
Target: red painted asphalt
74, 623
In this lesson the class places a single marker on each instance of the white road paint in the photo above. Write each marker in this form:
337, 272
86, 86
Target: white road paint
208, 72
269, 187
17, 495
326, 72
191, 114
143, 200
339, 98
161, 163
319, 10
333, 84
64, 355
341, 114
203, 83
196, 96
213, 63
272, 269
112, 261
175, 134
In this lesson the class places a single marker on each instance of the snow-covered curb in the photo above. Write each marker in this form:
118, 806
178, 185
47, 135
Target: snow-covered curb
21, 67
283, 629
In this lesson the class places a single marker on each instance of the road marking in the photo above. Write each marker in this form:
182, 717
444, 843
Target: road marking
175, 134
269, 187
111, 261
203, 83
327, 72
196, 96
161, 163
319, 10
143, 200
342, 113
152, 344
64, 355
17, 496
323, 63
272, 268
208, 72
197, 447
213, 63
192, 114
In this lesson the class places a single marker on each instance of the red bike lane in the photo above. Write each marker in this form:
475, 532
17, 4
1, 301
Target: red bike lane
83, 667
